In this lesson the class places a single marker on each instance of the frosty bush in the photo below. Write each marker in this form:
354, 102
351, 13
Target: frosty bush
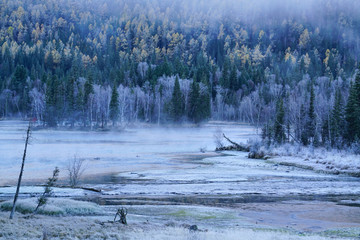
76, 169
355, 147
255, 145
218, 138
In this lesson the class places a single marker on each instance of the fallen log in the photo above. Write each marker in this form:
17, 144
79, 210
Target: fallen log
234, 147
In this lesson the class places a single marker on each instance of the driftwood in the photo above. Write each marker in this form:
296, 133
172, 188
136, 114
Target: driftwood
234, 147
121, 212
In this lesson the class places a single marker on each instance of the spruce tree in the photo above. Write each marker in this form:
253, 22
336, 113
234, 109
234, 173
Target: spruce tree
114, 105
177, 102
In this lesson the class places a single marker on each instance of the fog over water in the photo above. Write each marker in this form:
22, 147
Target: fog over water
104, 152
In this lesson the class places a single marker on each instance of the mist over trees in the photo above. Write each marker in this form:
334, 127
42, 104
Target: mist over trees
289, 66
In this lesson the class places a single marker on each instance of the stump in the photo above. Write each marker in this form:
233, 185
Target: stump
121, 212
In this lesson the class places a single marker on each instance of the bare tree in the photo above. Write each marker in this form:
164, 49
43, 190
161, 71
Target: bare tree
76, 169
21, 171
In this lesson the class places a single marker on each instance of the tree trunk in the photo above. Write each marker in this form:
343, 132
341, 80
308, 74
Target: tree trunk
21, 172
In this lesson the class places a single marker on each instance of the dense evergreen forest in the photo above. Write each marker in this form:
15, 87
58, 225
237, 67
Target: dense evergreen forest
287, 66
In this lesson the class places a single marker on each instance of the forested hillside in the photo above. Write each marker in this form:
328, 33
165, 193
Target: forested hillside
289, 66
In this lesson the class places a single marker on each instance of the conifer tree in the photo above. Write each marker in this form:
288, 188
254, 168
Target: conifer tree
312, 120
337, 121
177, 102
225, 81
51, 100
233, 83
279, 129
352, 114
309, 133
88, 90
19, 79
204, 107
114, 106
70, 98
194, 102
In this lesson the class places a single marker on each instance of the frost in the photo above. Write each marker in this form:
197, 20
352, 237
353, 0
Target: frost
55, 206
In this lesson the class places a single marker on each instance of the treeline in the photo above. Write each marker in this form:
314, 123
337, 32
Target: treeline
85, 103
99, 62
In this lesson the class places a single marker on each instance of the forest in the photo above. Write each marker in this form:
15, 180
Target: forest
290, 68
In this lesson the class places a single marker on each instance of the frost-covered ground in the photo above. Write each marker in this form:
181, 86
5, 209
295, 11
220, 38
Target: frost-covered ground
93, 228
162, 177
319, 159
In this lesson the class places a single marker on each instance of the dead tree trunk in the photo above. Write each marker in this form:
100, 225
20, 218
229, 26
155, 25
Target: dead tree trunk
234, 147
21, 172
232, 142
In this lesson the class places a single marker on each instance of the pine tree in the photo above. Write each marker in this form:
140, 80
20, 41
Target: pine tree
70, 98
352, 112
309, 133
19, 79
233, 82
79, 103
177, 102
204, 105
312, 120
51, 100
225, 81
194, 102
337, 121
279, 129
88, 89
114, 105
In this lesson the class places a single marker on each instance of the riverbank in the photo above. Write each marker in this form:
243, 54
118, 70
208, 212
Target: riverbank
321, 160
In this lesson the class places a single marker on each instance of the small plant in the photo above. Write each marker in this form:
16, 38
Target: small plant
42, 200
76, 169
203, 149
